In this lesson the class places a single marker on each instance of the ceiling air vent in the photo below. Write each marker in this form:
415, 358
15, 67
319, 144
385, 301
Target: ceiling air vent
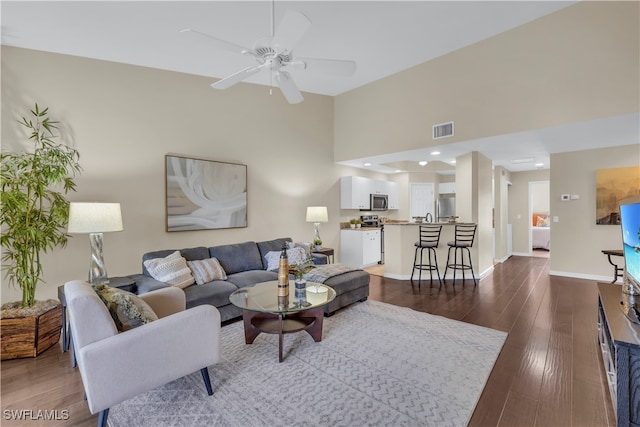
443, 130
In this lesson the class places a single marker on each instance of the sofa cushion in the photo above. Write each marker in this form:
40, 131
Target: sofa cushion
348, 282
171, 269
237, 257
251, 277
270, 246
206, 270
294, 255
126, 309
190, 254
215, 293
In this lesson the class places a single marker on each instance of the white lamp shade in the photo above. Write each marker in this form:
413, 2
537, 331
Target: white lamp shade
94, 217
317, 214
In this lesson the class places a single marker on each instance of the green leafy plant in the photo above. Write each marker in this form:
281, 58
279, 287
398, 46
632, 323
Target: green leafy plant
33, 213
301, 268
317, 242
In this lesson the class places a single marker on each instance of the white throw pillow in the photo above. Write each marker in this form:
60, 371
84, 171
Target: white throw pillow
294, 255
171, 269
207, 270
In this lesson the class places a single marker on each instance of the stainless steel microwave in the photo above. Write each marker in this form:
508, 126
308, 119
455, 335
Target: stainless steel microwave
379, 202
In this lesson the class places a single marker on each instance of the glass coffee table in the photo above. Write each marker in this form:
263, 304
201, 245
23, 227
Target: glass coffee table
263, 311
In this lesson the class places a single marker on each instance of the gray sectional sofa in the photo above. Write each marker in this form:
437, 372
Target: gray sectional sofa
245, 265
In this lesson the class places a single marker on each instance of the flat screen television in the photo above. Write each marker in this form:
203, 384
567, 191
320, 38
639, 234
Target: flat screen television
630, 224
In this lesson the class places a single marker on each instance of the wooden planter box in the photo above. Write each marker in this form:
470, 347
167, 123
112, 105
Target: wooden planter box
31, 335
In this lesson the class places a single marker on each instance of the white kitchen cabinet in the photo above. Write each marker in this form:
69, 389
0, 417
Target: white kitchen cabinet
354, 192
394, 198
447, 187
360, 247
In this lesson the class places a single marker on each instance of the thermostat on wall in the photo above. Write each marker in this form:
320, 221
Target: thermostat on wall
565, 197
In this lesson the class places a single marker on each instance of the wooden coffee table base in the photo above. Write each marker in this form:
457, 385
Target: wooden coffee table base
271, 323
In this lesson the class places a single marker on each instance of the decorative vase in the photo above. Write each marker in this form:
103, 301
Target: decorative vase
318, 248
301, 293
29, 333
353, 226
358, 225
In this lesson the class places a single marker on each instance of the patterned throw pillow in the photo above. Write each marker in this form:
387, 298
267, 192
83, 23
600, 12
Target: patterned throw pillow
171, 269
127, 310
207, 270
294, 255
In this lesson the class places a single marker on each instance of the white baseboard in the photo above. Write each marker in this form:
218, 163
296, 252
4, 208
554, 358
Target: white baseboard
501, 260
594, 277
520, 254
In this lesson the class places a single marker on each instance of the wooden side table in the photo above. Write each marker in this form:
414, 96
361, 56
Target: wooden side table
326, 251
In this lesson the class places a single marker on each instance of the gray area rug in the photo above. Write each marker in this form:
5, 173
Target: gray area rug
377, 365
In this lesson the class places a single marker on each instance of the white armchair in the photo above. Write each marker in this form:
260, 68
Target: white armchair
118, 366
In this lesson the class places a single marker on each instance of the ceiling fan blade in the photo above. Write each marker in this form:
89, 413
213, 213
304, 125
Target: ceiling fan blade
221, 44
290, 30
229, 81
288, 87
336, 67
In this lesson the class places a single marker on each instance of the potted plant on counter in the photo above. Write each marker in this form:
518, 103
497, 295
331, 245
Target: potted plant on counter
353, 222
33, 215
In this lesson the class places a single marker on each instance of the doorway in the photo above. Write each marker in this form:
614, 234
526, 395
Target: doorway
421, 199
540, 219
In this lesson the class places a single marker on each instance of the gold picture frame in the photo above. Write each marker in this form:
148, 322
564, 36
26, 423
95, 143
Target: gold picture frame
612, 186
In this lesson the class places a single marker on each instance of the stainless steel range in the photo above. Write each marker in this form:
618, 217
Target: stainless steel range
374, 221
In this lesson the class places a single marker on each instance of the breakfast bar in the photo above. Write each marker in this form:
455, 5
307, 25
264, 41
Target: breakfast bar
399, 248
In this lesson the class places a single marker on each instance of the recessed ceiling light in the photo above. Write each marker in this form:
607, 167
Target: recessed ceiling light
453, 162
435, 153
367, 164
422, 162
398, 171
539, 165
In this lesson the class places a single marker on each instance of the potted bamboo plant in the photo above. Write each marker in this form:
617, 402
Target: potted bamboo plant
33, 217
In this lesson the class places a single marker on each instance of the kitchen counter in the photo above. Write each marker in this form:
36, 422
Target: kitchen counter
399, 250
419, 223
361, 229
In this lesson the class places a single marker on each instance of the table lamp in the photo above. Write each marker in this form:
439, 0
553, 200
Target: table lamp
317, 214
95, 219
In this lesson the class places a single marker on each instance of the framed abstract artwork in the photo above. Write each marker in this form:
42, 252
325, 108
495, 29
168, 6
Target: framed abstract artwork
204, 194
613, 185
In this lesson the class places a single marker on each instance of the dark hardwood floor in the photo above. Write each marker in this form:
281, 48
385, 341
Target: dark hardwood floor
548, 374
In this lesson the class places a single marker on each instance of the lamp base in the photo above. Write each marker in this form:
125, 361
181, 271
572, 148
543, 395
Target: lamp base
316, 230
97, 271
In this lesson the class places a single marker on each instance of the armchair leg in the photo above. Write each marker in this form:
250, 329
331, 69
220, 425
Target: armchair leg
207, 380
102, 418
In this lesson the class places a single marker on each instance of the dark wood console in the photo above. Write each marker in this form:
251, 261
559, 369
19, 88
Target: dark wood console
619, 340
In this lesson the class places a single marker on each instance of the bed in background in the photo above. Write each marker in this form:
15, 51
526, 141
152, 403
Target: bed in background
540, 232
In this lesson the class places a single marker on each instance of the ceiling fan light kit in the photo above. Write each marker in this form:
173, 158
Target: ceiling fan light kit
275, 53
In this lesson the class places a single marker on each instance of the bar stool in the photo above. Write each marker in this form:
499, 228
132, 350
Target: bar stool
464, 236
429, 239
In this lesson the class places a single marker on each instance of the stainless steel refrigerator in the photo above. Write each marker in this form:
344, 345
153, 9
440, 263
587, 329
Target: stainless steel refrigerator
446, 207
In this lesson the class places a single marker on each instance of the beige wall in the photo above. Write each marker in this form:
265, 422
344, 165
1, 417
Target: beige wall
501, 179
124, 119
578, 64
576, 240
474, 204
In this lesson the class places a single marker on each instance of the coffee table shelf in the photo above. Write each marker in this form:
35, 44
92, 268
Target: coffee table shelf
261, 312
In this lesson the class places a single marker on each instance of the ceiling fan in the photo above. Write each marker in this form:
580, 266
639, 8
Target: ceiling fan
275, 53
